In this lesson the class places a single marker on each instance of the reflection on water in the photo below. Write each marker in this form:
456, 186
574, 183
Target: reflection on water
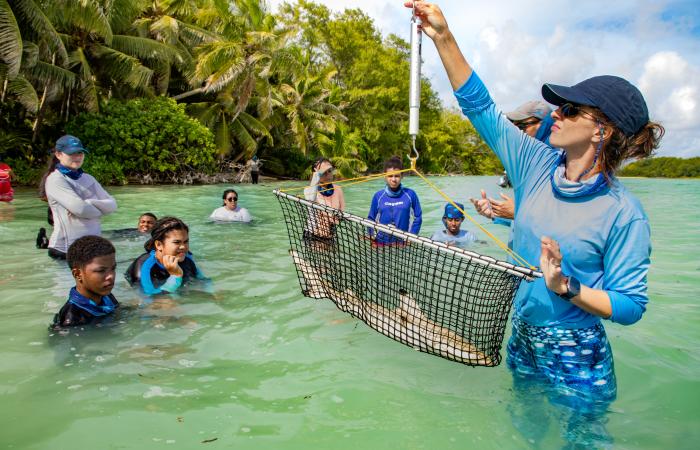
256, 365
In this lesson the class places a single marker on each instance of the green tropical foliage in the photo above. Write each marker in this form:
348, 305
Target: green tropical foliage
147, 138
288, 87
663, 167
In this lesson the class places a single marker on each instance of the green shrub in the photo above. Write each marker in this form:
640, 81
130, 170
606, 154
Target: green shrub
143, 137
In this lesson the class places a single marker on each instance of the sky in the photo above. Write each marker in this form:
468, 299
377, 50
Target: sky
516, 46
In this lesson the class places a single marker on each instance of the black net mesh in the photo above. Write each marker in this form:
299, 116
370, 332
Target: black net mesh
439, 300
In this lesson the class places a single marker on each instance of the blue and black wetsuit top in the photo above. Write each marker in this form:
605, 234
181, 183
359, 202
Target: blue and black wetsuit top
395, 208
80, 310
154, 278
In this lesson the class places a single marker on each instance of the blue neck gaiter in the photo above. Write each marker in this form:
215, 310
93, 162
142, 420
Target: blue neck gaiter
393, 194
86, 304
570, 189
326, 190
72, 174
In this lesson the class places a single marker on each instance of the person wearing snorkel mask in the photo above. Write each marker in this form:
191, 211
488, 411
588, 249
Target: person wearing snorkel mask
452, 234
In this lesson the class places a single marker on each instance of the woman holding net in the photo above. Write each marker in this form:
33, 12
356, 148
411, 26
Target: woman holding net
589, 235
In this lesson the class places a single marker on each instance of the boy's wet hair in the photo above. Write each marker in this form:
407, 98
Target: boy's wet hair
393, 163
162, 228
149, 214
86, 248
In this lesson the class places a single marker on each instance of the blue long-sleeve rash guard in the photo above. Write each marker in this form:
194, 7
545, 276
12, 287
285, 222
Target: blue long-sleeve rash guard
396, 210
604, 236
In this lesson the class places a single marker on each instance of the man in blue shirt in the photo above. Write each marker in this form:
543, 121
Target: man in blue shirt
394, 204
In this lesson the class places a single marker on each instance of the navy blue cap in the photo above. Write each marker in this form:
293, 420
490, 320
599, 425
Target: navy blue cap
619, 100
70, 144
453, 213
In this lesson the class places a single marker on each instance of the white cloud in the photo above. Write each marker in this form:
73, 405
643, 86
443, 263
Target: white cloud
518, 45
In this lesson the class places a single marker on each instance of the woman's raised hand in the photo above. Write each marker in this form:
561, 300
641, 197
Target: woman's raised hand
434, 23
170, 263
550, 263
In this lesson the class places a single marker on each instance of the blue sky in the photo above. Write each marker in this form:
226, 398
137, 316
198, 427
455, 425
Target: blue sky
516, 46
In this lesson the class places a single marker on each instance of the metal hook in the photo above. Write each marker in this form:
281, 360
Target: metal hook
414, 158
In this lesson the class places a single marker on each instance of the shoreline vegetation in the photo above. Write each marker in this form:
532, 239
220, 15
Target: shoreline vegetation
159, 91
164, 93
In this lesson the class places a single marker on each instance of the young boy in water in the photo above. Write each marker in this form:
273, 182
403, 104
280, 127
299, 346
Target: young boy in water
394, 205
452, 234
93, 264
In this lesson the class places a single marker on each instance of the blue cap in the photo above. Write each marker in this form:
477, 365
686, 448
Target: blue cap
619, 100
453, 213
70, 144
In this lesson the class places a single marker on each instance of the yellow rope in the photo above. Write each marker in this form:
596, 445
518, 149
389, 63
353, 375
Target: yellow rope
519, 259
350, 181
356, 180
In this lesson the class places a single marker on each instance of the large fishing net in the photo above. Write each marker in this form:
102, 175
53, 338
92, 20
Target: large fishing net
437, 299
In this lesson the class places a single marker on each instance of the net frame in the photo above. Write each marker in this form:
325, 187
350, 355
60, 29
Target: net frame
438, 299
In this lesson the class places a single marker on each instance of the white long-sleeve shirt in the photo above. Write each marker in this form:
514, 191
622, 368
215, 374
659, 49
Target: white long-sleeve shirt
77, 206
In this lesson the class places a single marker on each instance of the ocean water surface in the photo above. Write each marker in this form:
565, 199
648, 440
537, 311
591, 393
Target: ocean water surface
257, 365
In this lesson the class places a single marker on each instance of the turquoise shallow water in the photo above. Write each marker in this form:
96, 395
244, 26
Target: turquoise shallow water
257, 365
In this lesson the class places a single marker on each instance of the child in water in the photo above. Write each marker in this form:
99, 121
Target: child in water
452, 234
93, 264
394, 204
167, 264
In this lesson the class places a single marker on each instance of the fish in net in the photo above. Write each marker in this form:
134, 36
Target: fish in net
441, 300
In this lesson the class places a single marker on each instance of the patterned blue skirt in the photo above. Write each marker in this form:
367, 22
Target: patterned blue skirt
577, 362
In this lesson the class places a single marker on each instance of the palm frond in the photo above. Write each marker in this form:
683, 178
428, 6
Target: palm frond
37, 26
144, 48
10, 40
166, 29
222, 136
45, 73
25, 93
87, 15
122, 13
253, 125
243, 137
122, 67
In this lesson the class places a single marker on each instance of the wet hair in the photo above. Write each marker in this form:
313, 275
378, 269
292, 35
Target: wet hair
619, 147
319, 161
226, 192
393, 163
87, 248
149, 214
162, 228
49, 168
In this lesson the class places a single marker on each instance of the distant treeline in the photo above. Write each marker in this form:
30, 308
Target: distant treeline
664, 167
161, 90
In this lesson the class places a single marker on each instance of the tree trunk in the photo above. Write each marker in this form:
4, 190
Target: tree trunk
187, 94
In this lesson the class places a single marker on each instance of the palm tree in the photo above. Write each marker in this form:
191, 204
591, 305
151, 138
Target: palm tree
232, 76
306, 103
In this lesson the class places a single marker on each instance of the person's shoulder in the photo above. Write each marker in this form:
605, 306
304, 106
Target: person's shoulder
410, 192
630, 208
69, 316
55, 177
114, 300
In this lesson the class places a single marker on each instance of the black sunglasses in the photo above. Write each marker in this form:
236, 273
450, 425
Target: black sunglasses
569, 110
232, 199
524, 124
